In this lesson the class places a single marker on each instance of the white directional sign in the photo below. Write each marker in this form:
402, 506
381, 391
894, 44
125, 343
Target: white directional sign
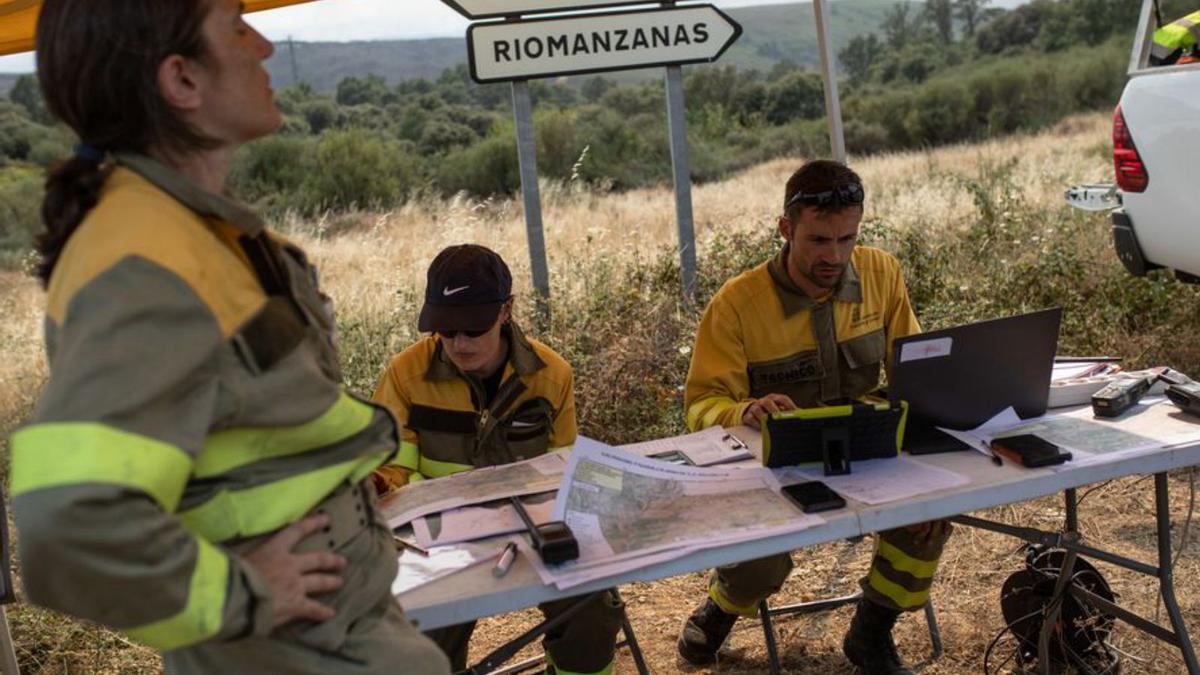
487, 9
592, 43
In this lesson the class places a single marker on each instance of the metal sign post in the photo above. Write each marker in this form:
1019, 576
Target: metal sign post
833, 105
677, 127
527, 160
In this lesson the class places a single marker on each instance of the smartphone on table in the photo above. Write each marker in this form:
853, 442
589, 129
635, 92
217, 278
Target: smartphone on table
1030, 450
813, 496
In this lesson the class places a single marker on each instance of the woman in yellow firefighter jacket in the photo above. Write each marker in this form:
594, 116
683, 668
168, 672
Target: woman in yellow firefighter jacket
475, 393
194, 472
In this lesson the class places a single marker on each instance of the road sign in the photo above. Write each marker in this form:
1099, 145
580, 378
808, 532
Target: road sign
490, 9
593, 43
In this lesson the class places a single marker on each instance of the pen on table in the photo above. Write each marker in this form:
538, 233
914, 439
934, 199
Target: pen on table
506, 560
738, 443
402, 543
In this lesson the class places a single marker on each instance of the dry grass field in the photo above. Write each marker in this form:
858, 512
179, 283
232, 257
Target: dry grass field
373, 265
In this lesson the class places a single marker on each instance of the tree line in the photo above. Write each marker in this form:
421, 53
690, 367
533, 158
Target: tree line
952, 71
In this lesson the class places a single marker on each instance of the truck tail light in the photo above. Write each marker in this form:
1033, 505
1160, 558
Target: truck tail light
1131, 172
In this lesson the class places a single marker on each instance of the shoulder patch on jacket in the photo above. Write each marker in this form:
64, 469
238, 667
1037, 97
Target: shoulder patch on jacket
134, 219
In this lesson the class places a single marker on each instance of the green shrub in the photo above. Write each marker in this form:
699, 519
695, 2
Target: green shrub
486, 168
358, 169
20, 211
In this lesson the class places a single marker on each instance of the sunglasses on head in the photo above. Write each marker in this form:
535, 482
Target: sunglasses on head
846, 195
451, 334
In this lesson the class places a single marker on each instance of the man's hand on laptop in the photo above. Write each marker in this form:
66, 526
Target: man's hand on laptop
760, 408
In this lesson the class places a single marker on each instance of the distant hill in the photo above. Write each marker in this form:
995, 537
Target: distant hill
771, 33
7, 80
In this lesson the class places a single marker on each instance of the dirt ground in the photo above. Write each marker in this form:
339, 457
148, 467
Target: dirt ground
1118, 516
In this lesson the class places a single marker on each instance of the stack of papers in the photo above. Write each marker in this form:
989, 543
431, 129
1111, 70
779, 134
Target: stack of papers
879, 481
713, 445
540, 474
480, 522
416, 569
629, 511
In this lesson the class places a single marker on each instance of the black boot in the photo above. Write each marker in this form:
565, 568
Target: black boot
704, 633
869, 644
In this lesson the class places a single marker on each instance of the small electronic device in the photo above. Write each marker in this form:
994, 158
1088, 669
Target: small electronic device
1186, 396
813, 496
834, 436
1120, 395
1030, 451
554, 542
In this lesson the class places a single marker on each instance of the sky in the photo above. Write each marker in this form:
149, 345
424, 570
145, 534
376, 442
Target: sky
344, 20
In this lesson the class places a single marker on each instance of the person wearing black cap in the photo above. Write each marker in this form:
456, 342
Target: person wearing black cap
477, 392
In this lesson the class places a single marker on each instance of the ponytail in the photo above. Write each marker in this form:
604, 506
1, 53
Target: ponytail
72, 189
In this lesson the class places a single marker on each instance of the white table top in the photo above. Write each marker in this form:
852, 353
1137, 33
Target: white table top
475, 593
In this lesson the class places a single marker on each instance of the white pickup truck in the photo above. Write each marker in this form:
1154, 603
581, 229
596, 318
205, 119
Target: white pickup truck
1156, 157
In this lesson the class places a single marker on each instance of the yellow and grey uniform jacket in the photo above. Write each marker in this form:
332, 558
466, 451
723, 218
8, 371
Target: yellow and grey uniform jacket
447, 427
761, 334
194, 402
1176, 39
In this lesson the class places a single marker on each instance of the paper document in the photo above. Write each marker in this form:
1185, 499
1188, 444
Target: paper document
540, 474
980, 438
711, 446
1151, 425
623, 507
879, 481
416, 570
480, 522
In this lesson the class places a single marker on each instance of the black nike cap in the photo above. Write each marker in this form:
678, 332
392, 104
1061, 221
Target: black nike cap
464, 290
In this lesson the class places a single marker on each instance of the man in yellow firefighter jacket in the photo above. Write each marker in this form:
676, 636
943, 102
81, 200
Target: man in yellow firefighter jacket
813, 324
475, 393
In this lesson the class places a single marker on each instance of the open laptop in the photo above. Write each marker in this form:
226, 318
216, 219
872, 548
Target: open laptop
961, 377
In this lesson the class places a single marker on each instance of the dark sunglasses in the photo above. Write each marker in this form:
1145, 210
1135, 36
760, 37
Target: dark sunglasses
451, 334
846, 195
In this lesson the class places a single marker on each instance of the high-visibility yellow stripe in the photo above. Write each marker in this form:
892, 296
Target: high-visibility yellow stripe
201, 617
728, 606
902, 562
563, 449
268, 507
903, 598
558, 670
409, 456
706, 412
70, 453
225, 451
432, 468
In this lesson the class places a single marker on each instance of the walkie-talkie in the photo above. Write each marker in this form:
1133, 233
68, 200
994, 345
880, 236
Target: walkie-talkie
1186, 396
554, 542
1120, 395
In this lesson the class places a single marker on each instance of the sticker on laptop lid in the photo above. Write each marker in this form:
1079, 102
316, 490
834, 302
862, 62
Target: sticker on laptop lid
926, 349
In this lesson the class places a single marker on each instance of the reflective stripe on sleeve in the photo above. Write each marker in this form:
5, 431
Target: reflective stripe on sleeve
704, 413
201, 618
225, 451
409, 456
70, 453
266, 508
432, 468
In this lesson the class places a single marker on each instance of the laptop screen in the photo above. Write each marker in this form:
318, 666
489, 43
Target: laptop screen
961, 377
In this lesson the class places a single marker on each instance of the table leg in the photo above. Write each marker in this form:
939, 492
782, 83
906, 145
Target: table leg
1162, 509
635, 649
1072, 503
764, 612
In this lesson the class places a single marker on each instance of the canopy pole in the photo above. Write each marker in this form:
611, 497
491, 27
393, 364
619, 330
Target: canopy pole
833, 105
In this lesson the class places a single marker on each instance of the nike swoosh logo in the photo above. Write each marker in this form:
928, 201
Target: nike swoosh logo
451, 291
